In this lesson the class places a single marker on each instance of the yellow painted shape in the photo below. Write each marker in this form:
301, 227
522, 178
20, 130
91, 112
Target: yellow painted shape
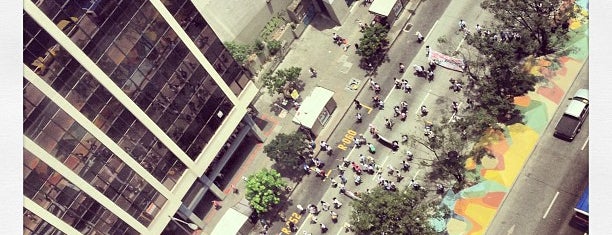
481, 215
470, 164
565, 81
489, 162
535, 71
524, 140
456, 227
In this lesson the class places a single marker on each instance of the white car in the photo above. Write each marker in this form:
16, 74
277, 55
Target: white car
576, 113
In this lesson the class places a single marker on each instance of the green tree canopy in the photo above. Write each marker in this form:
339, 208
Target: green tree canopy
286, 149
373, 42
393, 212
263, 189
285, 80
240, 52
544, 24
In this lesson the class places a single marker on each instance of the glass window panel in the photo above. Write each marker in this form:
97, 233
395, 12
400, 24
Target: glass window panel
115, 54
87, 25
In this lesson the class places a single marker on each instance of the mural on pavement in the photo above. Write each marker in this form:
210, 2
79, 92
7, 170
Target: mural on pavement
474, 207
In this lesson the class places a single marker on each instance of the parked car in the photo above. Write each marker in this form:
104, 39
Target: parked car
574, 116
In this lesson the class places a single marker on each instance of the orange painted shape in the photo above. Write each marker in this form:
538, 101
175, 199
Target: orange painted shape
555, 94
493, 199
522, 101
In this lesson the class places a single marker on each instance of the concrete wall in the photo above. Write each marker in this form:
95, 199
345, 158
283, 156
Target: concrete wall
239, 20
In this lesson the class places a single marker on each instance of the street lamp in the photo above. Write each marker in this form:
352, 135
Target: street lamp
192, 226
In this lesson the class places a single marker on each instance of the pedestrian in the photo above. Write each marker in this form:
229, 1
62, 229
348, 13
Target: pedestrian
417, 69
359, 117
371, 148
334, 216
470, 103
341, 169
300, 209
324, 206
427, 50
403, 116
432, 65
342, 179
420, 37
357, 46
478, 29
381, 105
402, 68
388, 123
377, 89
337, 203
362, 26
314, 219
455, 107
462, 24
357, 104
424, 110
323, 228
430, 75
324, 145
372, 129
313, 72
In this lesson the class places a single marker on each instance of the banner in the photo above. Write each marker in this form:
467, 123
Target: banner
446, 61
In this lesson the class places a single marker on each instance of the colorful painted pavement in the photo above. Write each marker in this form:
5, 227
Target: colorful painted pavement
475, 207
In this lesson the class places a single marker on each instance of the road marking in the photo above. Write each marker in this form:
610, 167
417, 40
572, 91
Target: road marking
305, 222
327, 175
367, 107
389, 95
511, 230
551, 203
422, 102
460, 44
431, 30
585, 143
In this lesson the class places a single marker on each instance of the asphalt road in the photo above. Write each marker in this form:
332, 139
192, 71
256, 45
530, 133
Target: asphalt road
550, 184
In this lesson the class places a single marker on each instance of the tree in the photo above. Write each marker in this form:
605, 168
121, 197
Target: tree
239, 52
544, 22
287, 149
372, 43
263, 189
283, 82
393, 212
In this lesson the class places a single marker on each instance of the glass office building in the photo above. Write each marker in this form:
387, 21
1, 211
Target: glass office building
132, 109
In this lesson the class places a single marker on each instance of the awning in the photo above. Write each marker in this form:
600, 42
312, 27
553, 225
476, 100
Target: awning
312, 106
382, 7
233, 220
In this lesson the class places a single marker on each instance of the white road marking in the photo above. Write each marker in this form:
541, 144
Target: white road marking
422, 102
551, 204
460, 44
431, 30
389, 95
511, 230
585, 143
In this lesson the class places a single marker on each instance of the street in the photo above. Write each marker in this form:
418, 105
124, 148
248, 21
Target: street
546, 191
434, 20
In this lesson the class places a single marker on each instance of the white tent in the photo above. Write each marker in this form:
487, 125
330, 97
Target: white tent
233, 220
230, 223
312, 107
382, 7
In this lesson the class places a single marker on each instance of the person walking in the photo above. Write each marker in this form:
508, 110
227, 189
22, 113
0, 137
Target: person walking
427, 50
324, 206
357, 104
313, 72
420, 37
402, 68
455, 107
323, 228
337, 203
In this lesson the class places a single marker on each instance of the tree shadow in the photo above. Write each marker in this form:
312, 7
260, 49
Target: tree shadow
295, 174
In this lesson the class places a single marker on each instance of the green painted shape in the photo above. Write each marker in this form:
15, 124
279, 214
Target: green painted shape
535, 116
481, 189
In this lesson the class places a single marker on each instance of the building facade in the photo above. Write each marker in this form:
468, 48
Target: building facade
133, 110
